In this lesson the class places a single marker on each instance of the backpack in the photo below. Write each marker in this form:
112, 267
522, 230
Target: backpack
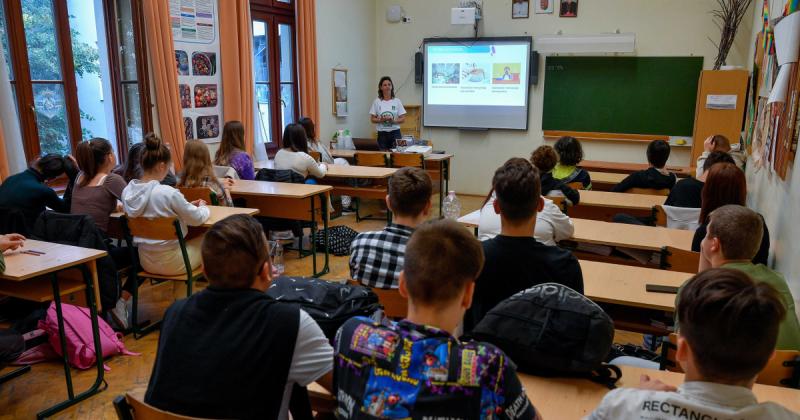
339, 240
79, 338
327, 302
552, 330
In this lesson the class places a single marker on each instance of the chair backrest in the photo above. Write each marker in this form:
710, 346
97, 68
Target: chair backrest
199, 193
394, 305
401, 160
576, 185
683, 218
659, 215
315, 154
370, 159
560, 201
158, 228
676, 259
279, 175
649, 191
130, 407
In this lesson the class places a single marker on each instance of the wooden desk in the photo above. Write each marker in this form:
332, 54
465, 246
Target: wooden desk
352, 171
628, 168
603, 205
573, 398
24, 271
646, 238
605, 181
216, 213
625, 285
304, 202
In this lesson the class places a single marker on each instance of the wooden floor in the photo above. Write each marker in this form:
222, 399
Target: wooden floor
23, 397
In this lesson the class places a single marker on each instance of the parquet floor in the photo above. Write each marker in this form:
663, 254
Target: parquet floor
23, 397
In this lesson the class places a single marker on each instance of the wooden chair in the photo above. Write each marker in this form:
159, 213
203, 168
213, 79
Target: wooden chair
316, 155
402, 160
576, 185
560, 201
394, 305
378, 160
782, 370
648, 191
659, 215
200, 193
130, 407
163, 229
681, 260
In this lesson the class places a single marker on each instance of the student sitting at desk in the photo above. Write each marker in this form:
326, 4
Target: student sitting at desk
732, 239
324, 153
688, 192
656, 176
416, 368
294, 154
570, 154
253, 348
97, 191
199, 172
376, 258
132, 169
232, 152
545, 158
515, 260
720, 143
728, 331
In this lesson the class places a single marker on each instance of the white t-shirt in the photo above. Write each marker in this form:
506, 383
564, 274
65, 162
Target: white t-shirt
313, 358
392, 107
693, 400
551, 224
300, 162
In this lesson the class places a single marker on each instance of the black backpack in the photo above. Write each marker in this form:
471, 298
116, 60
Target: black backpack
328, 302
552, 330
339, 240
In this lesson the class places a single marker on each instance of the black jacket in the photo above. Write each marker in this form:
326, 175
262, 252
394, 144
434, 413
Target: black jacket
27, 192
551, 184
648, 178
686, 193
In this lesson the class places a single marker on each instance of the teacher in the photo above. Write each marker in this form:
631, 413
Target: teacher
387, 113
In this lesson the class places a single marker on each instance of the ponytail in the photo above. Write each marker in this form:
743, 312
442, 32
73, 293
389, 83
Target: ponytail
155, 152
91, 155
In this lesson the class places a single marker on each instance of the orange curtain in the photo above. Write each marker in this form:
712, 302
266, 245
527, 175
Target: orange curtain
235, 38
4, 171
160, 46
307, 56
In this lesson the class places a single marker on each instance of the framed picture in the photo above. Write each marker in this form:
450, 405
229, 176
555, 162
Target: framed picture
519, 9
569, 8
339, 82
543, 6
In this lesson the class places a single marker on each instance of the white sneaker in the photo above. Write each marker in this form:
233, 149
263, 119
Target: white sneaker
121, 313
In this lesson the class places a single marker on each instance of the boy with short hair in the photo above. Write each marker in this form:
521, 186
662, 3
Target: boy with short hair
231, 351
729, 327
416, 368
732, 239
376, 258
545, 159
656, 176
515, 260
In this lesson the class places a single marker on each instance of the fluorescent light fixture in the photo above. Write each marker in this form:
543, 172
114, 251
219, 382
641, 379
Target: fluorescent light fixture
579, 44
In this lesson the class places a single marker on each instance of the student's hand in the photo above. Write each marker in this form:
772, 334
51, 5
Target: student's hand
645, 382
199, 202
119, 207
708, 144
228, 183
11, 241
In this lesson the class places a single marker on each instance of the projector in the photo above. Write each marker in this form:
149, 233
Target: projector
462, 16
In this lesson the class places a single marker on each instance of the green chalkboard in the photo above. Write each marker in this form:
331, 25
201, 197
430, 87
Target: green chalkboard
630, 95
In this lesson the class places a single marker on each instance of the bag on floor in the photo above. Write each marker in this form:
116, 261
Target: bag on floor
339, 240
328, 302
552, 330
79, 338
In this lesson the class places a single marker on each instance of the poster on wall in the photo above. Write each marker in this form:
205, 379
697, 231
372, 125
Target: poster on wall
195, 31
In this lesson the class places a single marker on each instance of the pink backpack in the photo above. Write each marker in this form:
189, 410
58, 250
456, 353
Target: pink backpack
78, 334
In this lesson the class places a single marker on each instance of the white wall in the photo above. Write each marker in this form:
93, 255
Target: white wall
346, 39
662, 27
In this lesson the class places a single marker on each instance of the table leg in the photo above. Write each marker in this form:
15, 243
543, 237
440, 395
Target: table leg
324, 204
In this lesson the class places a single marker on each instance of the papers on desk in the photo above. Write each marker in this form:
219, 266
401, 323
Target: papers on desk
424, 150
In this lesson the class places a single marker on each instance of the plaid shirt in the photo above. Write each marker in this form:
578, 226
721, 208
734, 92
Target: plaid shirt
376, 258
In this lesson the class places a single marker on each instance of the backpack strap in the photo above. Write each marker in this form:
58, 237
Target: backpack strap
606, 374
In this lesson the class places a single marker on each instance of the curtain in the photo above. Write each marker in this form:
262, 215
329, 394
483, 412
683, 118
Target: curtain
4, 170
12, 155
236, 46
307, 57
161, 49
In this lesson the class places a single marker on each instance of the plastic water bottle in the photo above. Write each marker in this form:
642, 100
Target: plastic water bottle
276, 252
451, 206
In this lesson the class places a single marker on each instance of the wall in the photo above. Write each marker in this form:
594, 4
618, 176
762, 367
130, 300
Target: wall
346, 39
662, 27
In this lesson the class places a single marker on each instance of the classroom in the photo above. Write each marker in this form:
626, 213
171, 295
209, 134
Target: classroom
429, 209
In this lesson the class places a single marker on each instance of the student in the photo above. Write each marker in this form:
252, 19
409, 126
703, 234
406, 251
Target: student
376, 258
656, 176
515, 260
132, 169
294, 154
97, 191
28, 192
199, 172
324, 152
732, 239
416, 368
146, 197
254, 349
232, 152
10, 241
719, 143
570, 154
729, 327
726, 184
545, 159
688, 192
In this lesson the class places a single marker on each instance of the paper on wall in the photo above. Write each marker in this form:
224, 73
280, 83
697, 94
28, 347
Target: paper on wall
339, 79
341, 109
787, 39
781, 85
721, 101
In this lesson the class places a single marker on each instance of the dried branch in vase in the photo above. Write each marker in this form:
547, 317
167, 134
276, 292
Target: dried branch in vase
727, 18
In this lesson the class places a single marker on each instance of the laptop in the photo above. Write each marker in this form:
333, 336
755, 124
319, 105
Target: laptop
365, 144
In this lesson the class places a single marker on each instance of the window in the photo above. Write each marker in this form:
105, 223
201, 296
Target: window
69, 72
275, 70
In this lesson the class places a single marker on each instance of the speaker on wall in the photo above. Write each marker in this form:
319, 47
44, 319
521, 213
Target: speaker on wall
418, 68
534, 78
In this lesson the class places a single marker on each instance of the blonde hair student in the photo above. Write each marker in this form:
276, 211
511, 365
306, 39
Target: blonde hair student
199, 172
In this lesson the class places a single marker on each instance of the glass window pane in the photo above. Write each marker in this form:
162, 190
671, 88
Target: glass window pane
133, 112
43, 52
285, 1
287, 105
4, 40
260, 51
127, 44
263, 115
51, 118
287, 44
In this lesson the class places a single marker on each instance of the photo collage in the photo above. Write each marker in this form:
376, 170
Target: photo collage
475, 74
201, 68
